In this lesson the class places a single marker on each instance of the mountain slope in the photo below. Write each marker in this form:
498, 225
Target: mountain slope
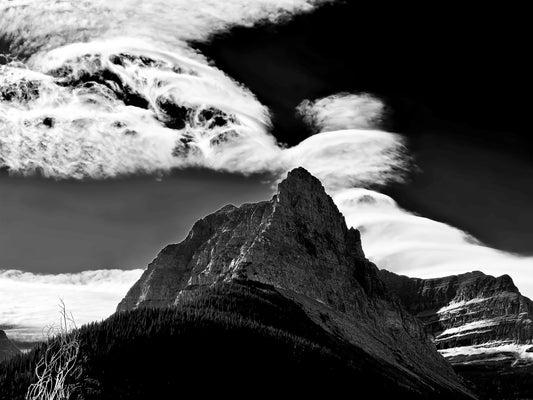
467, 310
298, 245
234, 339
7, 348
480, 323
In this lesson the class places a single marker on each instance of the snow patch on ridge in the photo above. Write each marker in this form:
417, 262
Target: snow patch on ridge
519, 351
471, 326
455, 306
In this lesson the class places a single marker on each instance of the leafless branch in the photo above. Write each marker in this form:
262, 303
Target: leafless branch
58, 372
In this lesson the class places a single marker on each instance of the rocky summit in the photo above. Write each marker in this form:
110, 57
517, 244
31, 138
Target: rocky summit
298, 245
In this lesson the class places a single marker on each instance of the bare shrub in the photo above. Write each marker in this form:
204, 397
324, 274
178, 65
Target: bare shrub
59, 375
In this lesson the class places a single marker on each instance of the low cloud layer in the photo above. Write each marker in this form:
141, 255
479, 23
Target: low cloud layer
30, 302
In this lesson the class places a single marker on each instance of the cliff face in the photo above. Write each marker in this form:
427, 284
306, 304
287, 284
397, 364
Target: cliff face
481, 324
7, 348
294, 241
470, 314
298, 243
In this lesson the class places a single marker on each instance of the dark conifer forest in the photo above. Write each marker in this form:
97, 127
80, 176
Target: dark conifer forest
232, 339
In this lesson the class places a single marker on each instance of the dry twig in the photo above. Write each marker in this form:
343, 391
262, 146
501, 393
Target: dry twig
58, 373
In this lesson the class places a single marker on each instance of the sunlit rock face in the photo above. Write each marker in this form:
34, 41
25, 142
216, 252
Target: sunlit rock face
296, 241
472, 316
298, 244
7, 348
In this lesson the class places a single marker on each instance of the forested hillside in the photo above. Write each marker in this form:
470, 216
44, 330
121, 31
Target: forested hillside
237, 339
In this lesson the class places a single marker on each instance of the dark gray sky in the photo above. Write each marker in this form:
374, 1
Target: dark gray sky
68, 226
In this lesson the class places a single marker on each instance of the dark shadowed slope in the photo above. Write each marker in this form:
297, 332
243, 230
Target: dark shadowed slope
232, 339
7, 348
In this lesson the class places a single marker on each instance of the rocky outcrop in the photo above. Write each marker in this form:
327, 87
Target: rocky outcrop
7, 348
472, 314
480, 323
298, 244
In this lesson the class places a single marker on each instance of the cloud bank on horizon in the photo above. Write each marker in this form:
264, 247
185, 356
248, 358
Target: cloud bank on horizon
30, 302
113, 88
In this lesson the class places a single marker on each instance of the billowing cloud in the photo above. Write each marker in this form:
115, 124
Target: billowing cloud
33, 26
103, 89
30, 302
144, 111
342, 111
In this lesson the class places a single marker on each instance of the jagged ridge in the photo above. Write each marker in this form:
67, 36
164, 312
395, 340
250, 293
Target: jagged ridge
482, 325
467, 309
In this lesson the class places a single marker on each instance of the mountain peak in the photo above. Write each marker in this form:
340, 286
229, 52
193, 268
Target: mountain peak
299, 184
260, 242
300, 175
302, 198
298, 245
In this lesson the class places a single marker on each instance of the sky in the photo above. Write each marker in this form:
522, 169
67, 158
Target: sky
120, 127
88, 242
51, 226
